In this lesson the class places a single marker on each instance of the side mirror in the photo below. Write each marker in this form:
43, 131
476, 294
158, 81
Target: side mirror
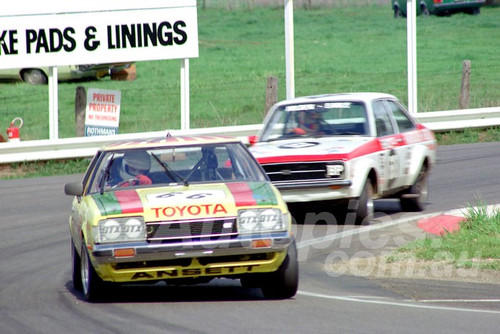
252, 140
73, 189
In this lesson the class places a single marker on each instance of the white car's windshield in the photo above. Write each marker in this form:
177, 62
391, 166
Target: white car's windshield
316, 119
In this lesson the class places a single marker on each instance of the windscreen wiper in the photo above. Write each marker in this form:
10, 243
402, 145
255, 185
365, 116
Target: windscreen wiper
171, 174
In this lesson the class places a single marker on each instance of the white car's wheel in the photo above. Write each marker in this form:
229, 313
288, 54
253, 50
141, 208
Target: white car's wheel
365, 206
416, 196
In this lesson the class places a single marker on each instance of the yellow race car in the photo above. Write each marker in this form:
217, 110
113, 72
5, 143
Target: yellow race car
180, 210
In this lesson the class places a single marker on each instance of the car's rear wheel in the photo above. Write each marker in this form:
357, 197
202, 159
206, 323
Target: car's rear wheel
34, 76
397, 12
75, 268
92, 284
284, 282
425, 11
416, 196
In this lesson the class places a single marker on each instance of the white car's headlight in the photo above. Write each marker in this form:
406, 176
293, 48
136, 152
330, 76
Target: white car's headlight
121, 229
261, 220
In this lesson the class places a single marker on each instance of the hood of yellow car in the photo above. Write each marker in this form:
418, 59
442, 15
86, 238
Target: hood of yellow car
186, 202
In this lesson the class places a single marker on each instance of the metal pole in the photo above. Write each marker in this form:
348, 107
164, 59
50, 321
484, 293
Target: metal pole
53, 104
289, 50
184, 94
411, 29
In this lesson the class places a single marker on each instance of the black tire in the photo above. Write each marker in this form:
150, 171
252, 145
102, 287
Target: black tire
76, 273
425, 11
283, 283
397, 13
365, 206
34, 76
92, 284
416, 196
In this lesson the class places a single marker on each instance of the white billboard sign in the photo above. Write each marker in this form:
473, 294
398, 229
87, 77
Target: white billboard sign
105, 35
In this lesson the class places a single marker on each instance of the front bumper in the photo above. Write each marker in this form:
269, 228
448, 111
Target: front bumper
220, 258
315, 191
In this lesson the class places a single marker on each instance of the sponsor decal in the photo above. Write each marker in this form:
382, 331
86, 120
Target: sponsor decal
299, 145
118, 202
189, 210
252, 193
193, 272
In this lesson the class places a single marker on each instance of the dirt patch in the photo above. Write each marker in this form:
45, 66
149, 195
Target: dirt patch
384, 266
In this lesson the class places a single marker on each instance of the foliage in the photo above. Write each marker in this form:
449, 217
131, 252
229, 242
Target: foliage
338, 48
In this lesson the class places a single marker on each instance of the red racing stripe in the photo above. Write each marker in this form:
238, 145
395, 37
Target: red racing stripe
130, 201
242, 194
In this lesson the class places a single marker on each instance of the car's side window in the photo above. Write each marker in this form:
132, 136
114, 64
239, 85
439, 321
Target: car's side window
383, 123
403, 121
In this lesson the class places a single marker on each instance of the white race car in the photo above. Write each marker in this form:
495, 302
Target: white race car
348, 148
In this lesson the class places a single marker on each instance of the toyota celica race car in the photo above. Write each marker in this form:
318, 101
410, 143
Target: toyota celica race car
182, 210
346, 149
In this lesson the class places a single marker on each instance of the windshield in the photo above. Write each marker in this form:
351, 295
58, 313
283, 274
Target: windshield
316, 119
182, 165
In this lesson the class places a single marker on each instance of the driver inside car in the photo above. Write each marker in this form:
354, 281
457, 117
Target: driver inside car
134, 168
309, 123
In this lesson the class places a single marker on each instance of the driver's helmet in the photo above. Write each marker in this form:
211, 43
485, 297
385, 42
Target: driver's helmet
135, 163
310, 119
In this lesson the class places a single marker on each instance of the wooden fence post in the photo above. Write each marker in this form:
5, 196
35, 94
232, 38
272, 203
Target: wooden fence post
80, 104
271, 93
465, 87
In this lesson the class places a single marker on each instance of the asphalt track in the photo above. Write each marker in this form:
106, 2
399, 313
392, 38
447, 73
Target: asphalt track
36, 295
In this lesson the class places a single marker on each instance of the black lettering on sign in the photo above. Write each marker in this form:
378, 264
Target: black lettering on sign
50, 41
90, 43
145, 34
7, 42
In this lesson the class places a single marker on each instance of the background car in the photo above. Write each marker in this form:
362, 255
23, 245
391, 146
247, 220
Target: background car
439, 7
39, 76
182, 210
346, 150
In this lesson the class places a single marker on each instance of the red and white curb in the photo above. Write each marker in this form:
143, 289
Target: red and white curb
447, 222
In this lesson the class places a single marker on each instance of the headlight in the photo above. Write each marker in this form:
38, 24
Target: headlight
121, 229
261, 220
335, 170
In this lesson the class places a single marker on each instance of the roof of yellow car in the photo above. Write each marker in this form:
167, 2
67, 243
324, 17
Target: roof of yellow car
169, 141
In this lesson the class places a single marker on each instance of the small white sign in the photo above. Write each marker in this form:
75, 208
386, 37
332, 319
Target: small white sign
102, 113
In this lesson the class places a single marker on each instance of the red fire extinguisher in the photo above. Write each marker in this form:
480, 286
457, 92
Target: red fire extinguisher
13, 130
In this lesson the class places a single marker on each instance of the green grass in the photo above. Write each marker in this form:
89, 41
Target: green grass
475, 245
337, 48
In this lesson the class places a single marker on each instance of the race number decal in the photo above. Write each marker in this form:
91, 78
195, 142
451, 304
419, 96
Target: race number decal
190, 196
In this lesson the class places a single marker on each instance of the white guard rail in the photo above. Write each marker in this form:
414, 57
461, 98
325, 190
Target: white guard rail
81, 147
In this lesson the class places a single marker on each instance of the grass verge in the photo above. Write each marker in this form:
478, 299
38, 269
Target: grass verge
475, 246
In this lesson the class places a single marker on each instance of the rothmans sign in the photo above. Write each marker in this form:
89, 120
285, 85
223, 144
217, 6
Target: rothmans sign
53, 33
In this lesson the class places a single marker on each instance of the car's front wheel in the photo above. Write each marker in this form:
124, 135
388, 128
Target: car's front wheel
364, 207
92, 284
284, 282
416, 196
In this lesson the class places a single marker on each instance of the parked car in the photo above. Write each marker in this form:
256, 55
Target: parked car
439, 7
39, 76
347, 150
183, 210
